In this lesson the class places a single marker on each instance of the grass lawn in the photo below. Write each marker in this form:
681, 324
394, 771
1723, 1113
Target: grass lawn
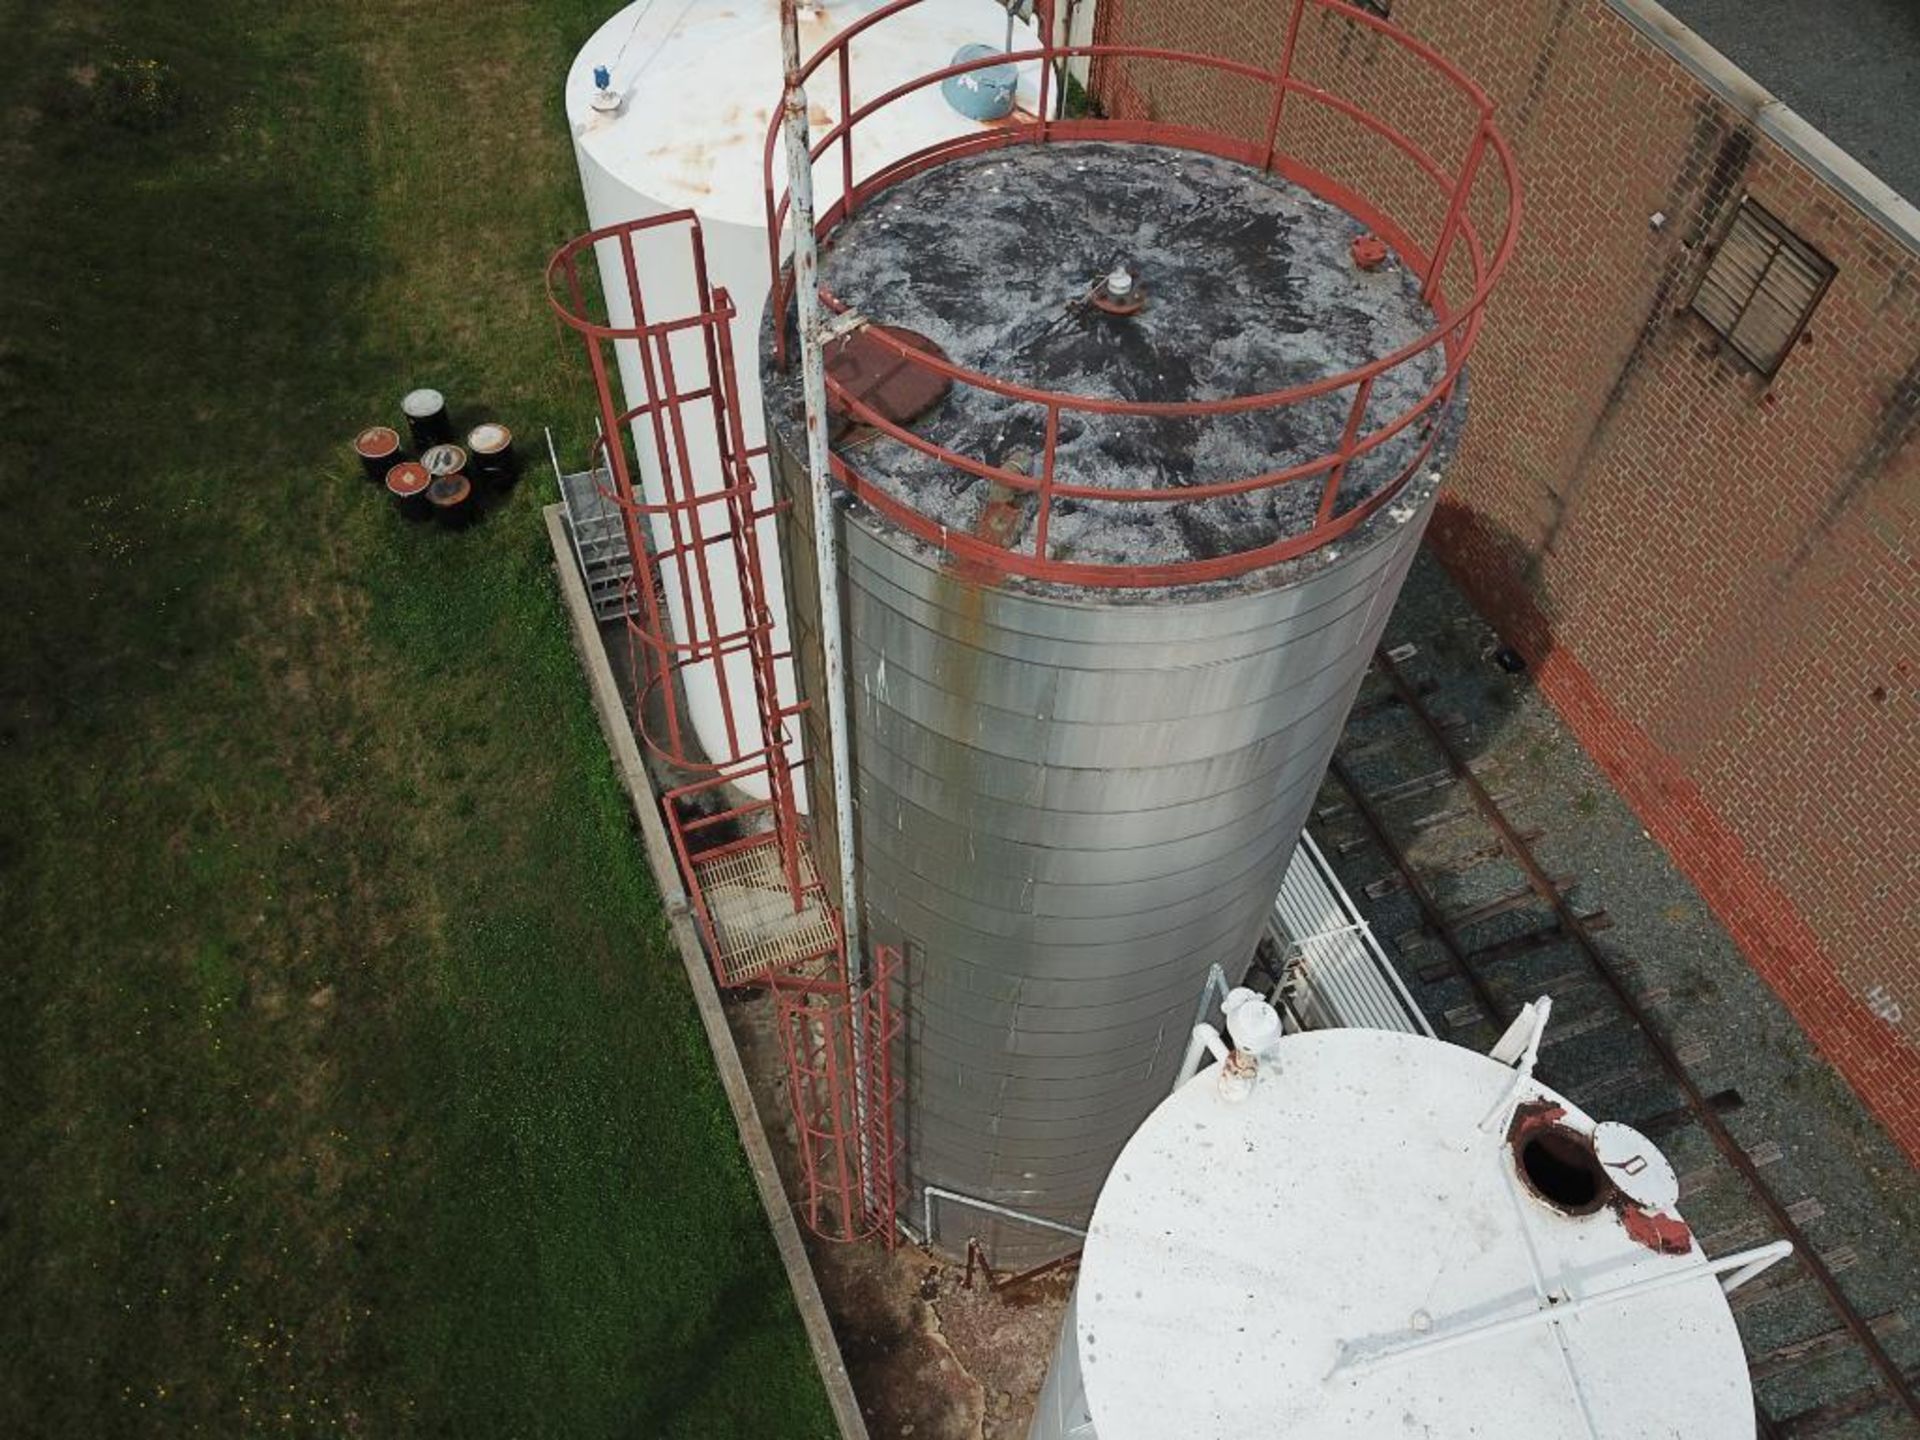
347, 1081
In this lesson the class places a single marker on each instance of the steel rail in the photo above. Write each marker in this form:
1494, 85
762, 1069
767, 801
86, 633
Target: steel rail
1452, 185
1436, 922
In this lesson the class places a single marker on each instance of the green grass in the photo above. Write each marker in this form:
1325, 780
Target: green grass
348, 1082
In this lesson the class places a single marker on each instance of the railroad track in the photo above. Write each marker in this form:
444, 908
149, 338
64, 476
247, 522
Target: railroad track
1421, 828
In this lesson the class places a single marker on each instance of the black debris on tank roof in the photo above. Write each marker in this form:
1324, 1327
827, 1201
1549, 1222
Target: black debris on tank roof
1250, 287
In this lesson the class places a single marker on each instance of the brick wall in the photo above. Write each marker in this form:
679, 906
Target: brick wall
1716, 576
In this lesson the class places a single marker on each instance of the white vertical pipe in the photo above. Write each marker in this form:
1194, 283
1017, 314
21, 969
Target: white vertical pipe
1203, 1039
1534, 1017
813, 374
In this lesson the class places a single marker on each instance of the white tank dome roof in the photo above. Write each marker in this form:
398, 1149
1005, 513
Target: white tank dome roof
699, 80
1240, 1250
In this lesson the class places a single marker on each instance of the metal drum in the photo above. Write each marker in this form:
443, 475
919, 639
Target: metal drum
378, 447
407, 484
452, 499
494, 463
427, 422
444, 459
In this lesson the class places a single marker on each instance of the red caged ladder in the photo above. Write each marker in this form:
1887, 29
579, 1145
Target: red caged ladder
691, 524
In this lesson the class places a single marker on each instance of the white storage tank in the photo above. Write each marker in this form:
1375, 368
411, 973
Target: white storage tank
682, 125
1387, 1236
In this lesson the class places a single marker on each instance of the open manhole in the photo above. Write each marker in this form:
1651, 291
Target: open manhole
1560, 1166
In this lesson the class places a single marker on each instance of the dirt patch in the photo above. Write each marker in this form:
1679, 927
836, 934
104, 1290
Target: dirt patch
906, 1373
932, 1353
1005, 1341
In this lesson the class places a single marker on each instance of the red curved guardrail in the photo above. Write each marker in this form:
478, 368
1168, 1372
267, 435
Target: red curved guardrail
1456, 327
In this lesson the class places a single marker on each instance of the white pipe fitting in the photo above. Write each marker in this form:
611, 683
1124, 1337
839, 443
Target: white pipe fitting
1204, 1039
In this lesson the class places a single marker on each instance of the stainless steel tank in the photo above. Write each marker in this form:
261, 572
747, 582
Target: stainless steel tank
1070, 807
1106, 608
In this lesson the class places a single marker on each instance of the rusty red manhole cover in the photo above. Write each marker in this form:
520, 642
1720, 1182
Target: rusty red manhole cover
889, 383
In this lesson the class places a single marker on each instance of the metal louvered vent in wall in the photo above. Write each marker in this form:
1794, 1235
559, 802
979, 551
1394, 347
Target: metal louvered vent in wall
1762, 286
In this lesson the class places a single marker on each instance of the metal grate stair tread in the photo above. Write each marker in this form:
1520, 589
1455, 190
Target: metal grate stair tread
755, 927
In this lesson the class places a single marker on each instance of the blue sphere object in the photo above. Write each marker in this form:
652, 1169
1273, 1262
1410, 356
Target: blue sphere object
983, 94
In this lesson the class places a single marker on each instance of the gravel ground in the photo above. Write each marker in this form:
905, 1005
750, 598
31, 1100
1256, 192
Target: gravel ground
1851, 1188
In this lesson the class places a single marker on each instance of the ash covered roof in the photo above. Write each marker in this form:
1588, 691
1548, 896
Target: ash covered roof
1250, 288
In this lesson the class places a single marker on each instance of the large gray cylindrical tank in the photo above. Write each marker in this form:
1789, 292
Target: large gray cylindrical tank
1073, 801
1069, 811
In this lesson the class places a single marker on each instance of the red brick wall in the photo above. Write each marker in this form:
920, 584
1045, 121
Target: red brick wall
1716, 576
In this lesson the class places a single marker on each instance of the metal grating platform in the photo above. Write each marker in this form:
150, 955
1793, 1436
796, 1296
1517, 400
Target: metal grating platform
754, 925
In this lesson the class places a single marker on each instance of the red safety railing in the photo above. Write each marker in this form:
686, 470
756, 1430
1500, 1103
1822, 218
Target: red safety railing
689, 517
715, 835
839, 1040
1456, 325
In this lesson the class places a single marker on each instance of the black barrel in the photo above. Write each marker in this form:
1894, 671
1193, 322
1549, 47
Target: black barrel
494, 464
452, 499
427, 422
378, 447
407, 483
